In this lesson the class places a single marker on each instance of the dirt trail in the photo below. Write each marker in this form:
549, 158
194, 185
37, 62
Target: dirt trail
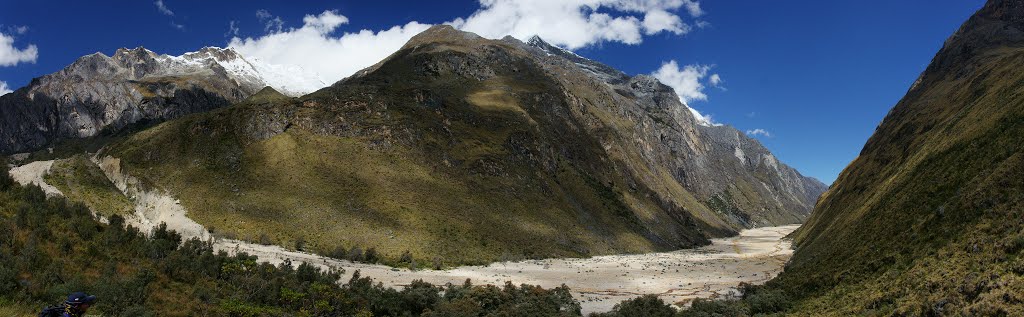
755, 256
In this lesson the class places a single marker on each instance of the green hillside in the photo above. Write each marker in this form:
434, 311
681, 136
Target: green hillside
928, 219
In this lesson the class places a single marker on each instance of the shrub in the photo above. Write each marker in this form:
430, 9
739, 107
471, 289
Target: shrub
265, 240
643, 306
715, 308
356, 254
766, 301
371, 256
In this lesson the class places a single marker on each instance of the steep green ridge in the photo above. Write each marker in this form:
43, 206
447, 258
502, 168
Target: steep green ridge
460, 150
928, 219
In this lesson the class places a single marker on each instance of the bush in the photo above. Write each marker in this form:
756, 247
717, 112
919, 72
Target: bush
355, 255
339, 253
715, 308
765, 301
643, 306
265, 240
371, 256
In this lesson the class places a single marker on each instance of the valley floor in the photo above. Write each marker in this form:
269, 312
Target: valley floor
755, 256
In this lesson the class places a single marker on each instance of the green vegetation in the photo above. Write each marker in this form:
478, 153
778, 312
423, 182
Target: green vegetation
756, 300
50, 247
17, 310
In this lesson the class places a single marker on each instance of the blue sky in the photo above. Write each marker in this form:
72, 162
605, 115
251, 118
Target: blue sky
818, 76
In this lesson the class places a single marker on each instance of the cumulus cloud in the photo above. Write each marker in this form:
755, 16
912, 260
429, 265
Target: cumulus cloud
686, 82
568, 23
21, 29
756, 132
578, 23
658, 20
10, 55
3, 88
163, 8
315, 47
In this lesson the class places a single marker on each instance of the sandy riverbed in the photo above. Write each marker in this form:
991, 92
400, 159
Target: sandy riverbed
754, 256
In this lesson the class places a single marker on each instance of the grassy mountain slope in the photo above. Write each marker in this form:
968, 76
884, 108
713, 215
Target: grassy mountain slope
458, 149
928, 219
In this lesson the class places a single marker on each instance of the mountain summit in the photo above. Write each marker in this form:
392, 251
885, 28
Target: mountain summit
99, 92
468, 150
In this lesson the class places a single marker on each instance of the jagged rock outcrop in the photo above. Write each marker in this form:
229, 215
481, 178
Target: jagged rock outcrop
99, 92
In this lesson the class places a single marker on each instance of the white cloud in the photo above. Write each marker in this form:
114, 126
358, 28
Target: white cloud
578, 23
10, 55
313, 47
702, 24
272, 24
568, 23
658, 20
21, 29
232, 28
687, 84
163, 8
3, 88
686, 81
715, 80
177, 26
756, 132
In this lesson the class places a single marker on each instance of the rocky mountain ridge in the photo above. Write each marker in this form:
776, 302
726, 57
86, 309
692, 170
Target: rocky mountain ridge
99, 92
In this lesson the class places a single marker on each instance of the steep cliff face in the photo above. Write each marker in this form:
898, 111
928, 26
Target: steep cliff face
99, 92
464, 149
927, 220
732, 174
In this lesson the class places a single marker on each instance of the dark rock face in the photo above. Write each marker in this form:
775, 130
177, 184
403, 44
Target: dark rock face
98, 93
595, 116
731, 173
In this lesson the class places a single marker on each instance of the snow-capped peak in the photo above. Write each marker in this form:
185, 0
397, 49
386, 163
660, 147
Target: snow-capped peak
288, 79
